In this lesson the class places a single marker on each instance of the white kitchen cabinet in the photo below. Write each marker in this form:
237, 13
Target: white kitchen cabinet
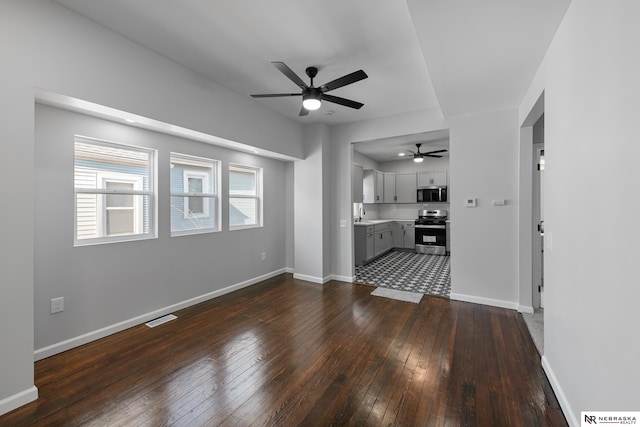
389, 187
383, 238
404, 235
379, 186
357, 184
373, 183
364, 243
428, 178
409, 235
400, 187
397, 234
406, 187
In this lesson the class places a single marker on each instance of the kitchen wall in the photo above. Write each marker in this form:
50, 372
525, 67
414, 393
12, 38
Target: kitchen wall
403, 210
53, 49
590, 81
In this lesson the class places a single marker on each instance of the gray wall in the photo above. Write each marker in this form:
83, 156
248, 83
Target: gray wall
110, 283
46, 46
590, 82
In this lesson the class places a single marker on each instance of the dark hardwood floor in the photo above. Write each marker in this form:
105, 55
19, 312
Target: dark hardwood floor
286, 352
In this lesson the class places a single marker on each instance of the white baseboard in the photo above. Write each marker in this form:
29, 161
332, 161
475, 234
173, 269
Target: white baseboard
15, 401
562, 398
525, 309
308, 278
65, 345
348, 279
289, 270
484, 301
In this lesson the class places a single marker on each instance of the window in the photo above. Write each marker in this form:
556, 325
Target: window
194, 194
114, 197
245, 194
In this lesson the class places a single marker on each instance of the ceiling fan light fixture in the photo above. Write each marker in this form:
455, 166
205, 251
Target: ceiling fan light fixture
418, 159
311, 103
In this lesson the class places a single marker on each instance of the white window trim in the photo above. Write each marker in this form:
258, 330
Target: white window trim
153, 207
257, 197
212, 189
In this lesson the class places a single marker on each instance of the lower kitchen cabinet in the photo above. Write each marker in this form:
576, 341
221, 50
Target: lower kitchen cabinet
409, 235
364, 244
383, 238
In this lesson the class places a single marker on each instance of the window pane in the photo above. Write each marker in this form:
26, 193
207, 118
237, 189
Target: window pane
242, 211
120, 222
196, 185
242, 182
182, 220
119, 200
96, 218
196, 205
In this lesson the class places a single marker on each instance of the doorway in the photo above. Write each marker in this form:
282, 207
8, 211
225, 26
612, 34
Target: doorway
531, 248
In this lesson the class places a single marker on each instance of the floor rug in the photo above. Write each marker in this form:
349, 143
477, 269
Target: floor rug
535, 323
408, 271
399, 295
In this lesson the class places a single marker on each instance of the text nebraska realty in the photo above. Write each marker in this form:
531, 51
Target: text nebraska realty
592, 419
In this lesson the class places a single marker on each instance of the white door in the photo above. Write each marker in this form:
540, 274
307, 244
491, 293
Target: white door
538, 221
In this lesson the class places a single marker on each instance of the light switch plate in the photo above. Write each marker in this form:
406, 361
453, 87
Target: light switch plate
499, 202
343, 223
470, 203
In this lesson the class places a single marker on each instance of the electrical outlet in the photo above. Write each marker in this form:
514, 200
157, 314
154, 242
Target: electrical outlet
343, 223
57, 305
264, 256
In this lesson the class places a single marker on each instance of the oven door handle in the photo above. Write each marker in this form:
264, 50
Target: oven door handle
441, 227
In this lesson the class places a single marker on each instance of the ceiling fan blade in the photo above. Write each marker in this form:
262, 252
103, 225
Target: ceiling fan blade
437, 151
274, 95
303, 112
356, 76
342, 101
289, 73
431, 155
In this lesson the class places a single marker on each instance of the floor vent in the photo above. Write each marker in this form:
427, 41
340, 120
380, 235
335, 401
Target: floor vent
161, 320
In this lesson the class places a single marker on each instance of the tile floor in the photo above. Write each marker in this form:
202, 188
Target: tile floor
408, 271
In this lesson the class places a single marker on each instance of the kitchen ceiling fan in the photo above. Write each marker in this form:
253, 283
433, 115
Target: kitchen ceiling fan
312, 97
418, 156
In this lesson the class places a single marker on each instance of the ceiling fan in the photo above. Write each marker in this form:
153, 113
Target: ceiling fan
312, 97
418, 156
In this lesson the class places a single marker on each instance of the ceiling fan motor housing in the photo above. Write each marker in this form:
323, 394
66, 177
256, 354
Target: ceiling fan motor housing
311, 72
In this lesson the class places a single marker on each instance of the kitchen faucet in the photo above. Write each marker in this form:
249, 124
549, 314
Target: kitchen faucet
361, 212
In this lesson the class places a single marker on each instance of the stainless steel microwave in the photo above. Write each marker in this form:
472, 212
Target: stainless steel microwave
436, 193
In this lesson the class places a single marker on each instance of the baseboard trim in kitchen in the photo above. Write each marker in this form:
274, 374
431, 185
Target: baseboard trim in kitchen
484, 301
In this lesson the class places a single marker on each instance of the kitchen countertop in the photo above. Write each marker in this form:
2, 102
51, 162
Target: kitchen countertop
381, 221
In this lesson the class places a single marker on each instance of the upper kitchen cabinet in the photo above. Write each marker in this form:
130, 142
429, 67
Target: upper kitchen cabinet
357, 183
426, 179
406, 187
400, 187
373, 183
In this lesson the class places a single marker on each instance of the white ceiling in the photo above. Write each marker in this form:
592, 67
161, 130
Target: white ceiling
480, 56
388, 149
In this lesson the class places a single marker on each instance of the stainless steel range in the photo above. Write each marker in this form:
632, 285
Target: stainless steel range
431, 232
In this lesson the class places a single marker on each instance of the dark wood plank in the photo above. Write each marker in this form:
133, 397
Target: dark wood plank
288, 352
